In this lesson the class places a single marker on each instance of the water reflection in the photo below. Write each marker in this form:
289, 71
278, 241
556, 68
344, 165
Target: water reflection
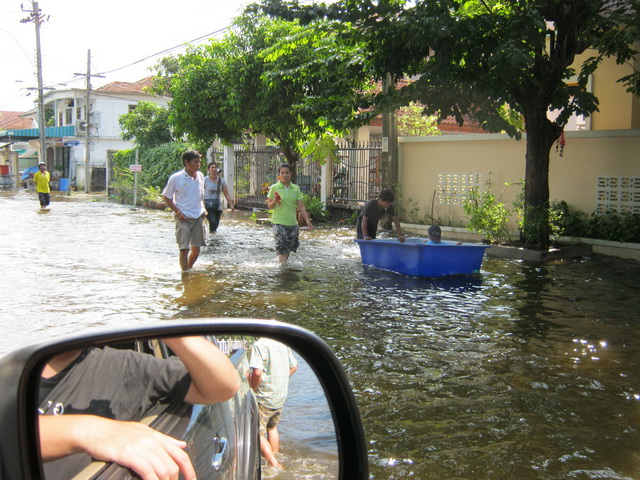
520, 372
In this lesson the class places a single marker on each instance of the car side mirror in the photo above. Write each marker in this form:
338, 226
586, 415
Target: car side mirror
21, 382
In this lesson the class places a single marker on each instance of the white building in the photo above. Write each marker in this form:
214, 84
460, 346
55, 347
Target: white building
65, 143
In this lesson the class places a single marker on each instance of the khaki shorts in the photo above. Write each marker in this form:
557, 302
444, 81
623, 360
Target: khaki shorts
190, 233
269, 418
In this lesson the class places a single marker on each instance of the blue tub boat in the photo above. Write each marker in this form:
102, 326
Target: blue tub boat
415, 258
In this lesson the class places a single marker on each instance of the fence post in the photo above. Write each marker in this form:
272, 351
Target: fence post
229, 169
324, 181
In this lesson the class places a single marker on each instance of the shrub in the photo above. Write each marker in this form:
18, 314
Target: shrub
487, 215
617, 227
315, 208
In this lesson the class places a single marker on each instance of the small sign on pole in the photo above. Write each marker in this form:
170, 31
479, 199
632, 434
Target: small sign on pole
385, 144
135, 168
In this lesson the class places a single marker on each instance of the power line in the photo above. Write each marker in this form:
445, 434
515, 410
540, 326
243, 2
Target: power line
168, 50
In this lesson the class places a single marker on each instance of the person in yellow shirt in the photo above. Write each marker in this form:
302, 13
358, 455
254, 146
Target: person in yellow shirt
42, 179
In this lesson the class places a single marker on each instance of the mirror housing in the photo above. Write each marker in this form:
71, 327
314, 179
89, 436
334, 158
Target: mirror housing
20, 375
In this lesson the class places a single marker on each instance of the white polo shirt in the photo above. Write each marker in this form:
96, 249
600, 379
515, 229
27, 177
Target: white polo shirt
187, 193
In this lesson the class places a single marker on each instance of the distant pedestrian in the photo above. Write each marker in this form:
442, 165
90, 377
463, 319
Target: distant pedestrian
271, 364
213, 185
284, 198
42, 178
372, 212
184, 194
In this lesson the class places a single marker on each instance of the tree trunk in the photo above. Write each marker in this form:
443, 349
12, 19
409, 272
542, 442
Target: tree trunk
540, 136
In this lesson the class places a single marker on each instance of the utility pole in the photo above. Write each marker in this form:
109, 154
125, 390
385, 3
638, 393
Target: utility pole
389, 141
36, 17
87, 131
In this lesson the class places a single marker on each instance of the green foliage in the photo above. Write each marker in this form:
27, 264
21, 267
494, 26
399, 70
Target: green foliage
623, 227
152, 194
267, 75
122, 185
320, 149
570, 222
158, 164
315, 208
147, 125
487, 215
413, 122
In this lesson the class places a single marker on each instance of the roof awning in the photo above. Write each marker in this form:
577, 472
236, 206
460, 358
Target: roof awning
33, 133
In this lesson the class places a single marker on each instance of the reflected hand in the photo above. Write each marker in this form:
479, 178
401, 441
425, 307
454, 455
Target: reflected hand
149, 453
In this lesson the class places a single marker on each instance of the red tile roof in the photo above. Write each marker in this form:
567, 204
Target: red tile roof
127, 87
10, 120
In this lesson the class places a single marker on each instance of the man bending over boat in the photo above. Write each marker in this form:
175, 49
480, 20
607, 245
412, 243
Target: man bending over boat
91, 401
372, 212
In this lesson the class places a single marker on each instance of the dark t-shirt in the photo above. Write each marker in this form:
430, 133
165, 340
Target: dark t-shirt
374, 213
111, 383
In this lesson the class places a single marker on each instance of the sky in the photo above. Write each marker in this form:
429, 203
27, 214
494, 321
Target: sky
118, 33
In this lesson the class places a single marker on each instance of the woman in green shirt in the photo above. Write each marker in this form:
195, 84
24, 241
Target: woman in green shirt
283, 199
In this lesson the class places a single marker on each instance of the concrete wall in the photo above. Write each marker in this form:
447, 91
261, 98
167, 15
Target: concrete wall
572, 177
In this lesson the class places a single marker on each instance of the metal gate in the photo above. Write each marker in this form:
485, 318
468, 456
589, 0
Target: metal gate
355, 174
255, 172
352, 179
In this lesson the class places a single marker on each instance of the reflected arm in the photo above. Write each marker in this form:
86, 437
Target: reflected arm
213, 376
255, 377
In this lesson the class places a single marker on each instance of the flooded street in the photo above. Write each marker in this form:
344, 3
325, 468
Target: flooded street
522, 372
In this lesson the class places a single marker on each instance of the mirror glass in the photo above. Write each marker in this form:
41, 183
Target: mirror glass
192, 403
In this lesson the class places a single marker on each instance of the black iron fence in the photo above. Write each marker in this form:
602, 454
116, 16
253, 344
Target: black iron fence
355, 174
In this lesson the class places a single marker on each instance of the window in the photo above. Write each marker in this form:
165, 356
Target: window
68, 119
618, 194
454, 188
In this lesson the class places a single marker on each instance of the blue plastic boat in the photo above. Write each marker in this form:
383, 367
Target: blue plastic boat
415, 258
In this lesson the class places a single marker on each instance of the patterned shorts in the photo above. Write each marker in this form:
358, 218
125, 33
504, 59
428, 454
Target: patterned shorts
286, 238
269, 418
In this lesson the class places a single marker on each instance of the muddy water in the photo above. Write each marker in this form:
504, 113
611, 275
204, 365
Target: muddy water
522, 372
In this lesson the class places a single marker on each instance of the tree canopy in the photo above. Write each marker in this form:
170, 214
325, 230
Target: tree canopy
269, 76
493, 60
147, 125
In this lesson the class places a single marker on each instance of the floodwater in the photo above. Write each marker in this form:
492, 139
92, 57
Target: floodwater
522, 372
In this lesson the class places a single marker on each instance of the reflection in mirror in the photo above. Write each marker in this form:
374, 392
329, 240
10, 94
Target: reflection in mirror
185, 404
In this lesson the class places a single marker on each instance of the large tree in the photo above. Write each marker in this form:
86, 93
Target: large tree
493, 60
266, 76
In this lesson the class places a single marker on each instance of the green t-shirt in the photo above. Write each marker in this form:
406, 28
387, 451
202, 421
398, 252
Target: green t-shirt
285, 213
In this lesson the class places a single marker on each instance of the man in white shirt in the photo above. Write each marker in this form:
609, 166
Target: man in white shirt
184, 194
